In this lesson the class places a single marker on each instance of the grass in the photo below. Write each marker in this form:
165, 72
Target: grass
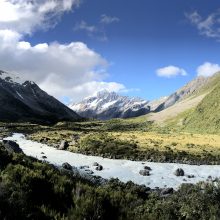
126, 139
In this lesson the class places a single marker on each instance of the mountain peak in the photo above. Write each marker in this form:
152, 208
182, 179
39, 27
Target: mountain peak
107, 105
11, 77
24, 101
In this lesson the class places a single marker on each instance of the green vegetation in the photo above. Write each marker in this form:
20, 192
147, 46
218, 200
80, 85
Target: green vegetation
206, 118
30, 189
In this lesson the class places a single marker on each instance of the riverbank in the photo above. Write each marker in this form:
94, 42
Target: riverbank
161, 174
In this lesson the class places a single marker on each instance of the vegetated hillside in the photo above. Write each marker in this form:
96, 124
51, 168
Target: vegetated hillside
24, 101
186, 91
185, 99
206, 116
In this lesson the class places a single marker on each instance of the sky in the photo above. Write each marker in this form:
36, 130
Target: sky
144, 48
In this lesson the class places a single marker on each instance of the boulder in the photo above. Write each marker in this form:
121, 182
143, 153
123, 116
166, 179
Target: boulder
179, 172
12, 147
44, 157
89, 172
67, 166
99, 167
167, 191
144, 172
84, 167
63, 145
190, 176
147, 168
95, 164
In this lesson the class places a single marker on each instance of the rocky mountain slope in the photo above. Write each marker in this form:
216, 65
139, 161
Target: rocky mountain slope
189, 89
106, 105
24, 101
195, 106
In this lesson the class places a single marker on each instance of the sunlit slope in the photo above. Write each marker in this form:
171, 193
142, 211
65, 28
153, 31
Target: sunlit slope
190, 101
206, 116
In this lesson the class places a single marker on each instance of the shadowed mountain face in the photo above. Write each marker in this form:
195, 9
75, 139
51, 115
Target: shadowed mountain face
24, 101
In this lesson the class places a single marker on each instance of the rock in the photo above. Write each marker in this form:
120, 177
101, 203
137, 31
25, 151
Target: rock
147, 168
144, 172
95, 164
12, 147
190, 176
83, 167
99, 167
67, 166
63, 145
75, 139
44, 157
42, 152
89, 172
179, 172
167, 191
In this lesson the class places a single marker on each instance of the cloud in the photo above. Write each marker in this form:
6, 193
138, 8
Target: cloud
91, 88
96, 31
208, 69
25, 16
72, 69
85, 27
170, 71
208, 26
108, 19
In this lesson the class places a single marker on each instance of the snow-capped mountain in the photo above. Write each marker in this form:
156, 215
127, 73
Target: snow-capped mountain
22, 100
106, 105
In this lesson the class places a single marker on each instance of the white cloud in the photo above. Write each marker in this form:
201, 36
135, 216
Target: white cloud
25, 16
91, 88
208, 69
72, 70
96, 31
105, 19
85, 27
170, 71
209, 26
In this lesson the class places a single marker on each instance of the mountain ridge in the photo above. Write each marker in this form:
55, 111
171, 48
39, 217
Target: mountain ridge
24, 101
106, 105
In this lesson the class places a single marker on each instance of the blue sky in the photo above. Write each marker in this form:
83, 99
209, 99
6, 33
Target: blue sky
137, 38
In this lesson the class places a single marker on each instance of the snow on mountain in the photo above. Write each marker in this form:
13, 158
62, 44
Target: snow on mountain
106, 105
22, 100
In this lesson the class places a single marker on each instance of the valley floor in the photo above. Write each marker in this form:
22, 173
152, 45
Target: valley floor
161, 174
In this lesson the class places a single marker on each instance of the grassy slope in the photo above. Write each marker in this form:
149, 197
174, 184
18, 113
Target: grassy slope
206, 116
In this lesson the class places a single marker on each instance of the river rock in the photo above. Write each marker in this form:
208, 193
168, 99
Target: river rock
144, 172
190, 176
63, 145
179, 172
99, 167
67, 166
12, 147
147, 168
167, 191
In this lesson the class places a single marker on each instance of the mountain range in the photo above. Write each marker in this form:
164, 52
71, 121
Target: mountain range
106, 105
23, 101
